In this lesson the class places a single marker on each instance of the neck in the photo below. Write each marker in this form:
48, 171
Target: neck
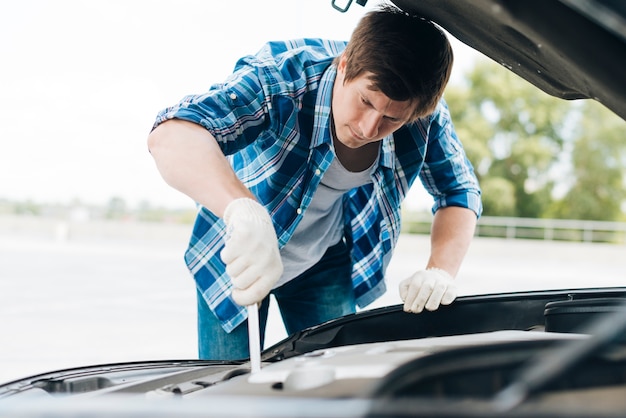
356, 159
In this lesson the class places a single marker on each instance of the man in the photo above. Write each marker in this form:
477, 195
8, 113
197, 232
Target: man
299, 163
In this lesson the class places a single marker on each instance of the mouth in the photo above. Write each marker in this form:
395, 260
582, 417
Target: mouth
356, 137
352, 139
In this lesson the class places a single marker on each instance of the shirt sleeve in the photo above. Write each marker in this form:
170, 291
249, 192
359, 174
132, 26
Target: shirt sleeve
264, 89
447, 173
234, 111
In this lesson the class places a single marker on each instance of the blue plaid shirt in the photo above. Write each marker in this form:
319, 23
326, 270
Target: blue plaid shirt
271, 117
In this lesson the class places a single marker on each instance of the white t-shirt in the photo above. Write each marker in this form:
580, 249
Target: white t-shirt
322, 224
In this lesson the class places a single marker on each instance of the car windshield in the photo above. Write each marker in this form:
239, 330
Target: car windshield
92, 240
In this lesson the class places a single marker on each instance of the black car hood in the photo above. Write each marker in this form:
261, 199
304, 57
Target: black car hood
458, 361
572, 49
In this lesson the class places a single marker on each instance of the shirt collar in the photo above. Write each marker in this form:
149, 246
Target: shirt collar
323, 115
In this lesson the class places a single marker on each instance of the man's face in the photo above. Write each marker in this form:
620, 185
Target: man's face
363, 115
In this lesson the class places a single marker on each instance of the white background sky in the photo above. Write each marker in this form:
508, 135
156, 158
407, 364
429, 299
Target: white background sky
81, 83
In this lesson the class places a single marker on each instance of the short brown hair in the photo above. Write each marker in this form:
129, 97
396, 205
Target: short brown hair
409, 57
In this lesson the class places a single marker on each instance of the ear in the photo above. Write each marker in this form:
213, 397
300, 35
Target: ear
341, 67
341, 70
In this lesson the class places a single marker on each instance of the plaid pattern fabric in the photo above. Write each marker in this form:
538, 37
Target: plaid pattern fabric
271, 117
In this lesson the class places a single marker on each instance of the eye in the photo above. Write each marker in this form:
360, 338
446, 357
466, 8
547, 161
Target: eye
392, 120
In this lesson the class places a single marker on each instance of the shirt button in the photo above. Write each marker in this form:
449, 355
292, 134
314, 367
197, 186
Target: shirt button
298, 211
318, 172
233, 96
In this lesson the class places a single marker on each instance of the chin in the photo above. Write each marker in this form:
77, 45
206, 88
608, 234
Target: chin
347, 139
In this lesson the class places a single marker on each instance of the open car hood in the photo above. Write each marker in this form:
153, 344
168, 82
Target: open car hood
476, 358
572, 49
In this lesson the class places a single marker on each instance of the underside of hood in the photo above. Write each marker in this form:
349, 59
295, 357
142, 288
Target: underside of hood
572, 49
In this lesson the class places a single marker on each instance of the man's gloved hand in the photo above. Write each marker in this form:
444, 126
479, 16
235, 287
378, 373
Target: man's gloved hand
251, 251
427, 289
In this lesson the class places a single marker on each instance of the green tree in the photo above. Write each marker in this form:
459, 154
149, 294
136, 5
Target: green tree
520, 139
27, 207
498, 196
597, 169
116, 208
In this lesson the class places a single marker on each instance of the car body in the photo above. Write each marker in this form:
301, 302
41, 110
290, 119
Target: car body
517, 354
557, 353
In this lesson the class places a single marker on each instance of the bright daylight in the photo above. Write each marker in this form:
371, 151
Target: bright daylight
292, 192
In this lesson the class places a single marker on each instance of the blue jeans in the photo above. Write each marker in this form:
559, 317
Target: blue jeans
322, 293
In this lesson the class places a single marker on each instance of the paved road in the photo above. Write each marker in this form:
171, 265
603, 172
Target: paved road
112, 295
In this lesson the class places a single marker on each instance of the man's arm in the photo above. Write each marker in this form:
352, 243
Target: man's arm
190, 160
450, 237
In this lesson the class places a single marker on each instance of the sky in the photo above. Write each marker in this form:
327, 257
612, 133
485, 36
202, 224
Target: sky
82, 81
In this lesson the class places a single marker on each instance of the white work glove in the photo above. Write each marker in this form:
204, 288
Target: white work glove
251, 251
427, 289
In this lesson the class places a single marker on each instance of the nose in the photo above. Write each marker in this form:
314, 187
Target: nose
369, 125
